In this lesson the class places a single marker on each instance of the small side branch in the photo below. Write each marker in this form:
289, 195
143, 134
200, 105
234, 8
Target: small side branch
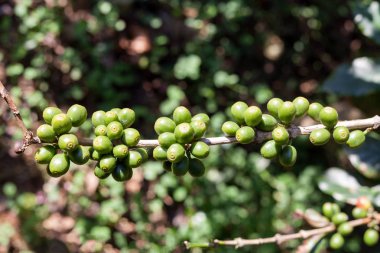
29, 137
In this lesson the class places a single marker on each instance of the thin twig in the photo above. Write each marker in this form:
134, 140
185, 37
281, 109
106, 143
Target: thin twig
278, 238
29, 137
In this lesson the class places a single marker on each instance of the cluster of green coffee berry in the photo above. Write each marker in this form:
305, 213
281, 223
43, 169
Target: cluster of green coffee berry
363, 209
248, 119
179, 146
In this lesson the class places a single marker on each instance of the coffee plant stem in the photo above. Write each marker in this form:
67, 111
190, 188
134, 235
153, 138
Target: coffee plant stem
279, 238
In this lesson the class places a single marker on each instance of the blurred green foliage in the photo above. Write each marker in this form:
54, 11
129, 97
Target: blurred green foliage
154, 56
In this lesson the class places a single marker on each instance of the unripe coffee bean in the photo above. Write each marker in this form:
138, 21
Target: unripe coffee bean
237, 111
181, 115
49, 113
287, 112
163, 125
245, 135
314, 110
328, 117
356, 139
252, 116
273, 106
302, 106
229, 128
288, 156
319, 136
77, 114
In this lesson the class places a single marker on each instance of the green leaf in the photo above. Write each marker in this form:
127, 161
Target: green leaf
359, 78
366, 158
367, 17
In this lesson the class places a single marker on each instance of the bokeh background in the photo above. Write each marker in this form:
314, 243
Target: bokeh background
204, 54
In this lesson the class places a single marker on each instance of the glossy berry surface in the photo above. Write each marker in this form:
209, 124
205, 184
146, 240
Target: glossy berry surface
175, 153
166, 139
102, 144
99, 173
135, 159
61, 123
130, 137
273, 105
345, 228
359, 213
107, 163
122, 172
114, 130
120, 151
59, 165
49, 113
77, 114
339, 218
80, 155
202, 117
245, 135
181, 115
181, 167
319, 136
237, 111
267, 123
126, 117
302, 106
97, 118
336, 241
160, 153
341, 134
44, 154
100, 130
371, 237
143, 152
184, 133
280, 135
270, 149
199, 128
164, 124
46, 133
288, 156
356, 139
330, 209
328, 117
229, 128
68, 142
287, 112
196, 167
314, 110
200, 149
109, 117
252, 116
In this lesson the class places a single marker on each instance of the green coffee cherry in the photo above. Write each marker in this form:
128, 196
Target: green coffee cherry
167, 165
58, 165
328, 117
80, 155
202, 117
319, 136
109, 117
100, 130
199, 128
273, 106
144, 153
181, 115
339, 218
268, 123
160, 153
97, 118
345, 228
122, 172
184, 133
77, 114
196, 168
280, 135
99, 173
270, 149
68, 142
287, 112
175, 153
61, 123
237, 111
134, 160
252, 116
49, 113
107, 163
336, 241
102, 144
245, 135
120, 151
163, 125
44, 154
359, 213
114, 130
288, 156
200, 149
355, 139
371, 237
314, 110
229, 128
341, 134
130, 137
166, 139
302, 106
46, 133
180, 168
330, 209
126, 117
95, 155
116, 110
